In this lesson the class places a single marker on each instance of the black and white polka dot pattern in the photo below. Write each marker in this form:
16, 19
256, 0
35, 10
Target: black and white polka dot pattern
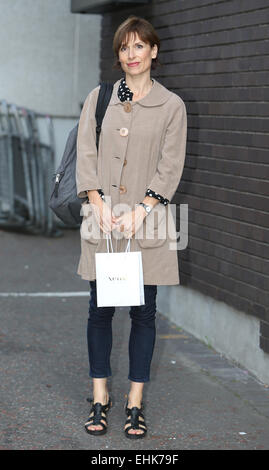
124, 92
151, 193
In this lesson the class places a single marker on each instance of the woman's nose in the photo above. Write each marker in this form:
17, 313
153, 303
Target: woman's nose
131, 53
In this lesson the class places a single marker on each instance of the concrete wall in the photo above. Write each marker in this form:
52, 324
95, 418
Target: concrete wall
49, 59
228, 330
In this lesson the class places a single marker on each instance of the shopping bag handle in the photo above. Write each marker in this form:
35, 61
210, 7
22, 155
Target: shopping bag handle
108, 237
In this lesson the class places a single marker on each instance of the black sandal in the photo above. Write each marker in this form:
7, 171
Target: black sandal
99, 414
133, 420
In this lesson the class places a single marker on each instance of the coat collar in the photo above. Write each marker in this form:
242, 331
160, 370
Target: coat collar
157, 96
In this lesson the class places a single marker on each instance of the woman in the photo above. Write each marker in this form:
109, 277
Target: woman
140, 161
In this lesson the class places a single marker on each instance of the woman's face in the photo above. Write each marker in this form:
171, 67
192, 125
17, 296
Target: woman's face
136, 56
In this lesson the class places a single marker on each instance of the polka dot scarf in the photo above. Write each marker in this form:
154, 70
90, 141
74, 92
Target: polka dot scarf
124, 92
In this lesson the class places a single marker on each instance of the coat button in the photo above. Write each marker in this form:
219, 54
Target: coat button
125, 162
127, 106
122, 189
124, 131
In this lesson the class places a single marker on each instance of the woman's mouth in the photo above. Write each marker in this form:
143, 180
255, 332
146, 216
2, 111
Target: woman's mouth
133, 64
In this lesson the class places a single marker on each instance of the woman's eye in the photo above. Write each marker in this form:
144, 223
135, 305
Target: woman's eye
123, 48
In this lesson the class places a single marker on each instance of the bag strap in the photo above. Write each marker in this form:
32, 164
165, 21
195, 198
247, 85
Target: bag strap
108, 238
104, 96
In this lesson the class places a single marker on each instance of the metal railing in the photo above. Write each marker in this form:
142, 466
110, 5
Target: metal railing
26, 169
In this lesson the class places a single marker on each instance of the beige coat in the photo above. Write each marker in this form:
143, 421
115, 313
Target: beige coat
142, 145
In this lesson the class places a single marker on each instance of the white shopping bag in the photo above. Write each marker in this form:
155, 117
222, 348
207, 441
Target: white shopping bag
119, 278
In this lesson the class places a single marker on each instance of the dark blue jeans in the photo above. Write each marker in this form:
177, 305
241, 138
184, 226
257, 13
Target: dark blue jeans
141, 340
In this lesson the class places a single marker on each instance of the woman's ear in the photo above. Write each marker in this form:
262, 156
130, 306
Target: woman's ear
154, 51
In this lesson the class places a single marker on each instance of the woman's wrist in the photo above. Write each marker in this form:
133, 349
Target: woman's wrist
140, 210
94, 196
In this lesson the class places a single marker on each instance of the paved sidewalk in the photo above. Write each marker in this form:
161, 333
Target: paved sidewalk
196, 399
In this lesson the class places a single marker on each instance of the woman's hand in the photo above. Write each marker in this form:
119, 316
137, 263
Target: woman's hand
129, 222
104, 216
102, 212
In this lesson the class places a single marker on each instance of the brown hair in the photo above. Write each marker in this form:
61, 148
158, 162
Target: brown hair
144, 29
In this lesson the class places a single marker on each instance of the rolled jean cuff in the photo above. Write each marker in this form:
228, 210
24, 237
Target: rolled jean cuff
99, 376
146, 379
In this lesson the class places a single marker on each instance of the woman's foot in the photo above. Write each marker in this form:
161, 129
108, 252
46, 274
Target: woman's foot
135, 402
97, 422
135, 425
100, 395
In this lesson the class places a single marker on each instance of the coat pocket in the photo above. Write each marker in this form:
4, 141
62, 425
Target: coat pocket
153, 231
89, 229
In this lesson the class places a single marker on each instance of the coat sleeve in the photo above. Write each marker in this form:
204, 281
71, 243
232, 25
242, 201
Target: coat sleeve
173, 152
86, 165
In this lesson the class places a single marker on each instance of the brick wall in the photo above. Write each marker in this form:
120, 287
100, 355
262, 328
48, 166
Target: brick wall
214, 55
